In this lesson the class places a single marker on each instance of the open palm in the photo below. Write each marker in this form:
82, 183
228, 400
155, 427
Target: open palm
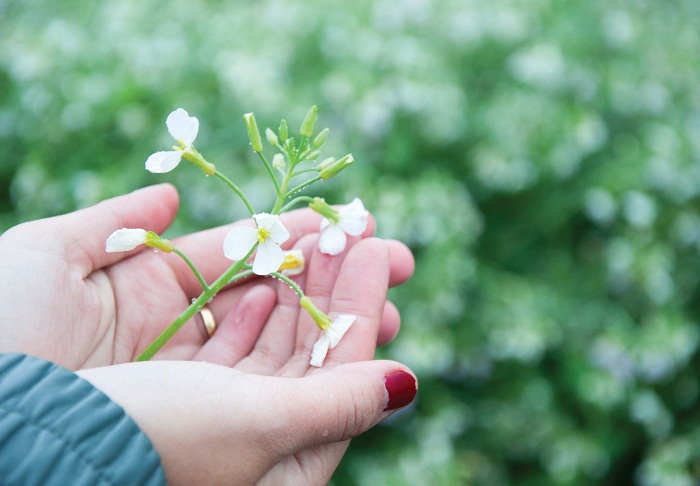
68, 301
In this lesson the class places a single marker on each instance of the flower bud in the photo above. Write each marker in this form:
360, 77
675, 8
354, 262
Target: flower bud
284, 130
334, 167
307, 127
321, 138
278, 162
271, 137
253, 133
313, 155
325, 163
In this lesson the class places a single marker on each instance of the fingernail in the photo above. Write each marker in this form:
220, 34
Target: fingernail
401, 387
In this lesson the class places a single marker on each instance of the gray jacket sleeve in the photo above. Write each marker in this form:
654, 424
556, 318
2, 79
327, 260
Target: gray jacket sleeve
56, 428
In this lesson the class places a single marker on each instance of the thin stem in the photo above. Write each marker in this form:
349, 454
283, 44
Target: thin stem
294, 201
289, 282
236, 190
304, 171
302, 186
241, 275
282, 196
194, 307
189, 263
269, 171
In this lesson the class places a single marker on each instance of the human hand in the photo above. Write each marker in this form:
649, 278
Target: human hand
271, 418
65, 299
256, 410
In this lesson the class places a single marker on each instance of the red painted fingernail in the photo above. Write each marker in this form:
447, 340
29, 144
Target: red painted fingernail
401, 387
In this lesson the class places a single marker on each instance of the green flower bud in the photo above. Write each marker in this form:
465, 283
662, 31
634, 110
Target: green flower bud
253, 133
321, 138
284, 130
325, 163
271, 138
334, 167
307, 127
278, 162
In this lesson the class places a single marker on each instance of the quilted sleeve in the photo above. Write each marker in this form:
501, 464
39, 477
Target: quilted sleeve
56, 428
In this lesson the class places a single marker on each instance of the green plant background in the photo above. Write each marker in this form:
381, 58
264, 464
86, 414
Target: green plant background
541, 159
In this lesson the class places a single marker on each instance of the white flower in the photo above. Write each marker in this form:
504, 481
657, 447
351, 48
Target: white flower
125, 239
294, 263
352, 219
183, 128
270, 233
330, 338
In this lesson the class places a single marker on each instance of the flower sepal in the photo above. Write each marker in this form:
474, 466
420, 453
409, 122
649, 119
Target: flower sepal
324, 209
192, 155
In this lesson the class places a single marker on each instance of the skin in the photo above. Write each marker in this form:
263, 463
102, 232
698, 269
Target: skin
241, 407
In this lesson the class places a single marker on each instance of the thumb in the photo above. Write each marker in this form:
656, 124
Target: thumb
345, 401
79, 237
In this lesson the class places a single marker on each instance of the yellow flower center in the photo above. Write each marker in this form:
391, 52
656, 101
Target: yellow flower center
263, 234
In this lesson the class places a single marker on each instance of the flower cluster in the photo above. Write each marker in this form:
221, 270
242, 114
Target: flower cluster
261, 242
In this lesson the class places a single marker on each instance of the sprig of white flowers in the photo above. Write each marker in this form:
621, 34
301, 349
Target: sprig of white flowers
264, 240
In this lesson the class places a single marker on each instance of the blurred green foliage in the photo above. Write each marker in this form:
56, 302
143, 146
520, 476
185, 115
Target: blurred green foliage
541, 158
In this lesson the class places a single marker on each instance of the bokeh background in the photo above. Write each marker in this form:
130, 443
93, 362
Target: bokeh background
541, 158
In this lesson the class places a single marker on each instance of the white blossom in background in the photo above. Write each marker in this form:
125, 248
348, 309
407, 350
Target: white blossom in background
269, 235
184, 129
352, 220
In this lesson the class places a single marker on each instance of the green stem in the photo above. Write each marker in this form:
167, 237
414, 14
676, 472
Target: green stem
294, 201
242, 275
236, 190
194, 307
282, 195
302, 186
189, 263
289, 282
269, 171
304, 171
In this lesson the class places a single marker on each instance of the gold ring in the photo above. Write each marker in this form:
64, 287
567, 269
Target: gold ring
208, 319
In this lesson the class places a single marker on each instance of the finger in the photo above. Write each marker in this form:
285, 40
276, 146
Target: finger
390, 324
277, 341
337, 404
238, 331
205, 248
80, 236
402, 262
356, 285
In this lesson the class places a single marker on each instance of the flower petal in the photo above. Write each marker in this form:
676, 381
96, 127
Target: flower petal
332, 240
182, 126
239, 241
293, 264
272, 224
353, 218
268, 259
318, 355
162, 162
338, 328
125, 239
